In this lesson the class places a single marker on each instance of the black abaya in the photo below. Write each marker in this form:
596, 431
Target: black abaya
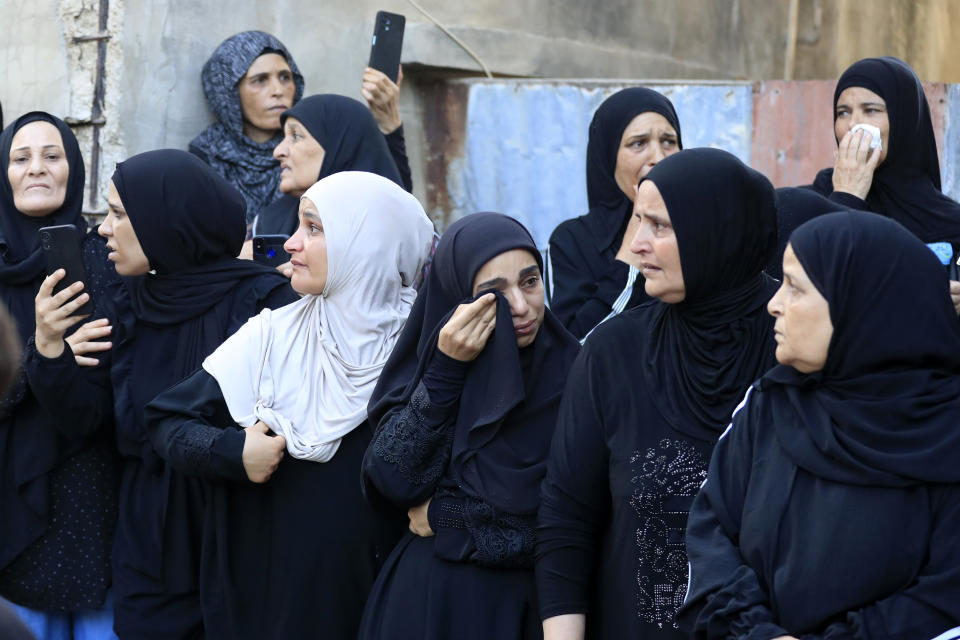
645, 402
585, 277
191, 223
58, 493
832, 503
471, 438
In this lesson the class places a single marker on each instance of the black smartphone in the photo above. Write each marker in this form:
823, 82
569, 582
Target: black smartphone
269, 250
387, 43
61, 246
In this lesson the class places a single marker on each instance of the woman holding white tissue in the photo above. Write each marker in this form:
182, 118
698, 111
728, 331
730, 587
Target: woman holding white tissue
900, 178
290, 547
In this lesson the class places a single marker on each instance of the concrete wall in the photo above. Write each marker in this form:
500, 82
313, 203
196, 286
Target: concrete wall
157, 47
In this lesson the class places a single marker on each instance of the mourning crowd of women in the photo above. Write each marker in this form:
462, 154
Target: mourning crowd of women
732, 412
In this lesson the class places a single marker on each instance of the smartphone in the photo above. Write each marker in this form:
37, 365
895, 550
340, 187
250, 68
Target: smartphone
387, 43
269, 250
61, 246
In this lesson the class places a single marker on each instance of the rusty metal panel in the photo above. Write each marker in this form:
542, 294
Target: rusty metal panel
793, 130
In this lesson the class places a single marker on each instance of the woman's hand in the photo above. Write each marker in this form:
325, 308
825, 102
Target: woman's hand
54, 313
466, 332
86, 340
262, 453
246, 250
854, 164
955, 295
383, 97
418, 520
286, 269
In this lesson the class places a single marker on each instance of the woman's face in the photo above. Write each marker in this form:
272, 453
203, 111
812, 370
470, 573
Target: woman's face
803, 328
266, 91
38, 170
656, 244
126, 253
647, 140
308, 252
856, 105
300, 156
516, 275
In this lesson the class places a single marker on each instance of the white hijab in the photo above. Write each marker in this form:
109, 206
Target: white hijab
308, 369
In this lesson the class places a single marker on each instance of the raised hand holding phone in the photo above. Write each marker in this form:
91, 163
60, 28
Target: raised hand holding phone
55, 313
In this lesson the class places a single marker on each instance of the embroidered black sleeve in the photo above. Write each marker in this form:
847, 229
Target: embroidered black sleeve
500, 539
414, 441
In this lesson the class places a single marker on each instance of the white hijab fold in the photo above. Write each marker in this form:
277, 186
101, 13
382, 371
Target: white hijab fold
308, 369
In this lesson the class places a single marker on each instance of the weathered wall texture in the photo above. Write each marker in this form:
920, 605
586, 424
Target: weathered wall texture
154, 99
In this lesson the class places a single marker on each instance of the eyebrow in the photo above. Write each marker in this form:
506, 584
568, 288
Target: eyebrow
491, 284
656, 219
46, 146
312, 216
863, 104
529, 271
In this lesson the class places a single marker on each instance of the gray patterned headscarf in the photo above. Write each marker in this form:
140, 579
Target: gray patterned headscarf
247, 165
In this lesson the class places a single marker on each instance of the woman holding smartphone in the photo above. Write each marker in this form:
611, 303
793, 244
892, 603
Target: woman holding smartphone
58, 496
173, 230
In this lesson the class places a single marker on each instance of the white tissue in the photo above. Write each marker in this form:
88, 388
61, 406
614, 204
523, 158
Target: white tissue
872, 130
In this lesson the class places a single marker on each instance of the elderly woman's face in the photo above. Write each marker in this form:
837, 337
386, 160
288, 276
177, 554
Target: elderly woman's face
308, 252
300, 156
803, 328
126, 252
38, 169
656, 244
647, 140
266, 91
516, 275
856, 105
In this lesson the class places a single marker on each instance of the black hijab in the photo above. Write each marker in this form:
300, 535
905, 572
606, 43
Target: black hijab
609, 206
885, 408
796, 205
247, 165
191, 224
510, 397
351, 141
906, 186
705, 351
22, 264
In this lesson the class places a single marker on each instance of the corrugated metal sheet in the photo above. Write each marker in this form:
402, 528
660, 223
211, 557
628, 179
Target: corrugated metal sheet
525, 145
519, 146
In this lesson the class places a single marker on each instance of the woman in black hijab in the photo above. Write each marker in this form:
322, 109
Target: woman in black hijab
592, 272
648, 397
465, 414
173, 229
58, 497
323, 135
901, 178
833, 501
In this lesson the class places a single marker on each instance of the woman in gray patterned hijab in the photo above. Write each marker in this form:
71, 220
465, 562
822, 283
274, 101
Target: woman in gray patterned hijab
249, 81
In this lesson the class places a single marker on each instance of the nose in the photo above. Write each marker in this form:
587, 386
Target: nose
641, 240
775, 306
294, 243
36, 165
276, 87
657, 154
518, 304
280, 151
105, 229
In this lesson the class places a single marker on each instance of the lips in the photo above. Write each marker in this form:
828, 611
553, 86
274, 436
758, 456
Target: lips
648, 267
526, 328
37, 186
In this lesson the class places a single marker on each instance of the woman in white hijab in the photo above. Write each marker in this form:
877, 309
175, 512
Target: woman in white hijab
290, 548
